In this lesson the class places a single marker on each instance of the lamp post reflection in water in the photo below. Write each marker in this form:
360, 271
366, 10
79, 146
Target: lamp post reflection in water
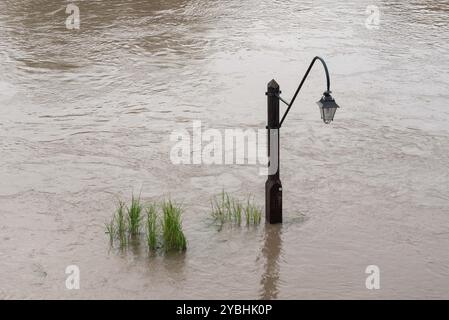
271, 252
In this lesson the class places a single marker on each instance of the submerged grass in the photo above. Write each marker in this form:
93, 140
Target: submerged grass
172, 233
161, 230
226, 209
237, 212
152, 227
253, 214
134, 216
163, 225
110, 230
121, 224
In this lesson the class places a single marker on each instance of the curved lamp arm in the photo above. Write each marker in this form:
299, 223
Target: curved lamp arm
302, 82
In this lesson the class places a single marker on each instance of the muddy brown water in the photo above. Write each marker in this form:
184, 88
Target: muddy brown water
86, 116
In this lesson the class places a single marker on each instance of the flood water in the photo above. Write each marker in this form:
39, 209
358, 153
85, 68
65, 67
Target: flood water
86, 117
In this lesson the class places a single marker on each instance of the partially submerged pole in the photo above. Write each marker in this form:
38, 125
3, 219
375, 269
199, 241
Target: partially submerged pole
273, 186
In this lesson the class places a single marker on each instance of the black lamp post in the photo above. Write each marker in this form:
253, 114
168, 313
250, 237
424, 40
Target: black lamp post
273, 186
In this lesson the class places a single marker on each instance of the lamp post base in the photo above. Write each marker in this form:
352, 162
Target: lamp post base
273, 201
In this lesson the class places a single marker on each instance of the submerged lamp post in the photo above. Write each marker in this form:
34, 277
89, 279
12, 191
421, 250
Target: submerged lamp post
273, 186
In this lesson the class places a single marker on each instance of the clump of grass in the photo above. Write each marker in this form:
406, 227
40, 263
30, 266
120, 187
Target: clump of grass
152, 227
161, 231
218, 209
134, 216
117, 227
121, 225
237, 212
172, 233
227, 206
253, 214
226, 209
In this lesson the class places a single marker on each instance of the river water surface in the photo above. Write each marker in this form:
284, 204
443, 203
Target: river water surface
86, 117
